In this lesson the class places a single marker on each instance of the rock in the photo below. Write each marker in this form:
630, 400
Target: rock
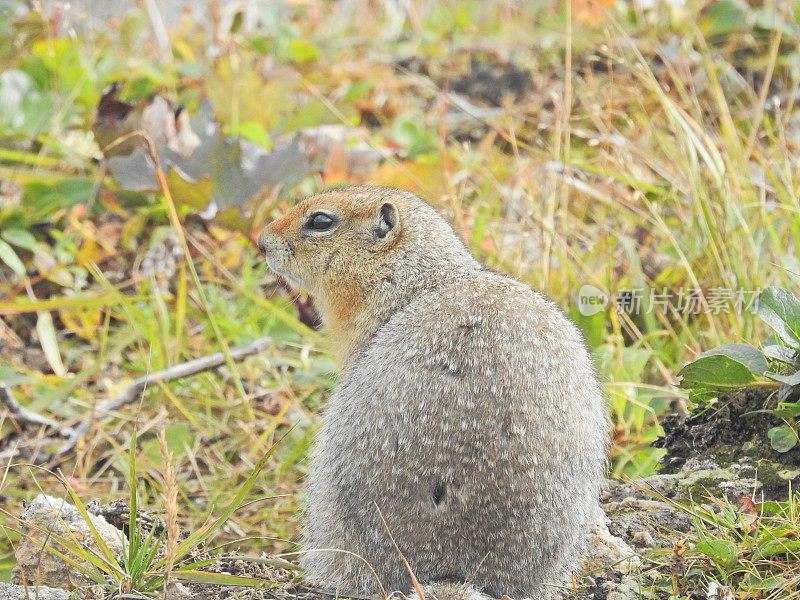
719, 592
177, 591
46, 517
641, 520
608, 551
9, 591
629, 588
643, 539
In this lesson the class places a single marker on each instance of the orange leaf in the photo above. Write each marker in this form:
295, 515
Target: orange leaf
590, 13
335, 165
421, 178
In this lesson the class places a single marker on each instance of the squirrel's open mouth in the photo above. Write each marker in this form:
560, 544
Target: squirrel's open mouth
292, 280
286, 276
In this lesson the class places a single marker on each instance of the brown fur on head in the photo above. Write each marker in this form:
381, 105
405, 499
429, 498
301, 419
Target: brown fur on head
336, 245
363, 253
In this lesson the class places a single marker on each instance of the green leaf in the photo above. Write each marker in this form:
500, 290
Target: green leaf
252, 131
41, 200
716, 371
782, 438
236, 22
781, 353
20, 238
780, 309
777, 546
721, 552
700, 398
24, 110
300, 51
70, 70
790, 380
133, 498
770, 507
179, 437
593, 327
49, 342
725, 16
760, 581
771, 20
412, 136
746, 354
8, 256
786, 411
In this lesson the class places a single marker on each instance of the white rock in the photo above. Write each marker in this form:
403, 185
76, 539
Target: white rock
606, 550
46, 517
10, 591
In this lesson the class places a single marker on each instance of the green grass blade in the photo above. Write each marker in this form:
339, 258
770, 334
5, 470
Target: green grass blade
208, 529
98, 539
133, 530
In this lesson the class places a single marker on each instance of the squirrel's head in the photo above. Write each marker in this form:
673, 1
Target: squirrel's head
362, 252
334, 240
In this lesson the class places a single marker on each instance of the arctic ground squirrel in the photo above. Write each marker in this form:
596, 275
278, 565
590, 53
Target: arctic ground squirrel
467, 422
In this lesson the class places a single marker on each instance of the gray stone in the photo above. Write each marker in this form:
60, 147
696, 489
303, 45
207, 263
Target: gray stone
608, 551
630, 588
42, 521
9, 591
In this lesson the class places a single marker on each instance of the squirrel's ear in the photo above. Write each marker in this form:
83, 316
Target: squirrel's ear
388, 222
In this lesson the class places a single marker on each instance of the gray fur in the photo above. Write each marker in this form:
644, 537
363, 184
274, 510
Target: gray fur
469, 418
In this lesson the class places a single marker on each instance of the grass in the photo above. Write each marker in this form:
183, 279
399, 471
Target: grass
749, 550
647, 152
151, 556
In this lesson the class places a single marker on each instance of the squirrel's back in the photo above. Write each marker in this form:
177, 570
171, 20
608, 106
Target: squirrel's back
469, 425
474, 426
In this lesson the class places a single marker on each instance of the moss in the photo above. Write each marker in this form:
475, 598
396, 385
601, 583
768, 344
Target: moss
734, 436
775, 478
701, 483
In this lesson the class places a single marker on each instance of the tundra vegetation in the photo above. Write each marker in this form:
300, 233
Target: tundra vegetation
639, 162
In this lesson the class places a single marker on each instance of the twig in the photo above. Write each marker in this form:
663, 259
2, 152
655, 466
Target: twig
179, 371
25, 416
277, 563
414, 582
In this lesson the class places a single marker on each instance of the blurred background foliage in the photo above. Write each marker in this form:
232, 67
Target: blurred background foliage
622, 145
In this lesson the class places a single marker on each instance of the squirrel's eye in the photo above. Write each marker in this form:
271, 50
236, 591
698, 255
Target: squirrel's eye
320, 222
